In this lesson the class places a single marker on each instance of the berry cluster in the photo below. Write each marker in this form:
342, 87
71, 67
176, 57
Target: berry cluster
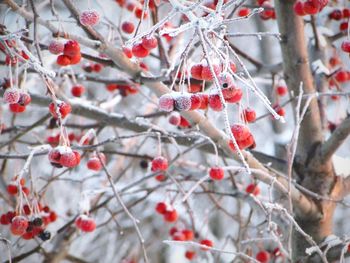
309, 7
30, 223
159, 164
124, 90
341, 15
17, 99
92, 67
169, 213
54, 140
143, 48
243, 137
71, 53
64, 156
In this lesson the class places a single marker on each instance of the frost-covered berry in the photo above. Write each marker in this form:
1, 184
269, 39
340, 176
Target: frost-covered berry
89, 18
56, 47
85, 223
240, 131
159, 163
215, 102
11, 95
64, 109
174, 118
19, 225
182, 101
249, 114
71, 48
196, 71
216, 173
139, 51
24, 99
68, 158
149, 42
196, 101
94, 162
166, 103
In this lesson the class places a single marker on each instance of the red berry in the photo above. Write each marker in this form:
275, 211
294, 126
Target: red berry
78, 90
184, 123
97, 67
189, 254
85, 223
4, 220
215, 102
53, 216
174, 118
173, 230
311, 7
207, 74
11, 95
196, 71
12, 189
159, 163
196, 101
75, 59
204, 101
243, 12
346, 12
26, 210
345, 46
178, 236
56, 47
161, 208
170, 216
216, 173
263, 256
194, 87
240, 131
94, 162
68, 158
253, 189
128, 27
160, 177
268, 12
279, 110
249, 115
232, 94
299, 8
166, 103
71, 48
89, 18
25, 190
139, 51
149, 42
17, 108
63, 60
207, 243
19, 225
28, 235
343, 26
138, 13
188, 234
63, 108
